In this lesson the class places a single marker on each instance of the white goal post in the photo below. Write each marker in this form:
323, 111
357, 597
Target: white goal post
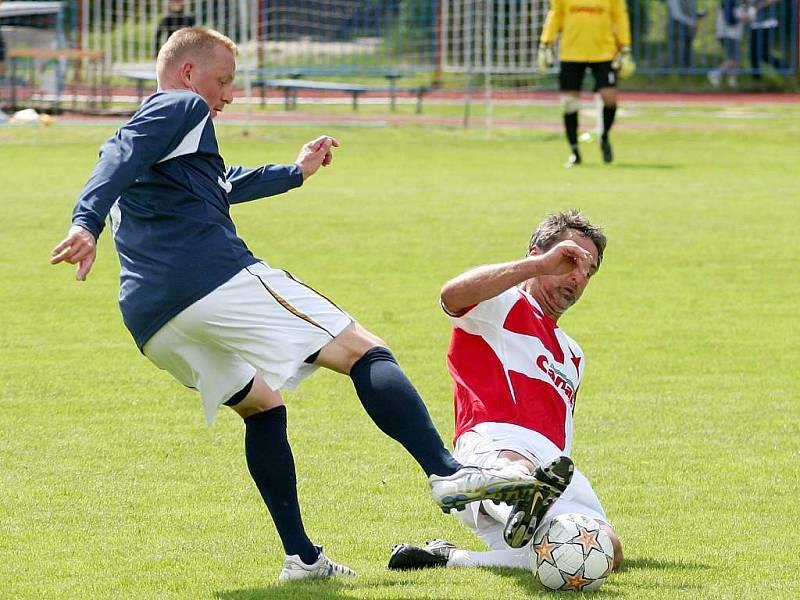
491, 36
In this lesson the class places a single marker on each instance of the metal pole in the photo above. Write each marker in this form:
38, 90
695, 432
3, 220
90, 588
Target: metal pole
488, 22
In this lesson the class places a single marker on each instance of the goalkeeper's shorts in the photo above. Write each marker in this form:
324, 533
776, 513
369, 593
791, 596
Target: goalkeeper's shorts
570, 77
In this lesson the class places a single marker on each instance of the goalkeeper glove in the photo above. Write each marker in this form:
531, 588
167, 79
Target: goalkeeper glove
623, 63
544, 58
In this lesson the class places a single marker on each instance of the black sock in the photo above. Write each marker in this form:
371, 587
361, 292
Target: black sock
396, 408
609, 112
571, 127
271, 465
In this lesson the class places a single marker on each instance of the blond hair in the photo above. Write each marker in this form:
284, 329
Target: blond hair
190, 41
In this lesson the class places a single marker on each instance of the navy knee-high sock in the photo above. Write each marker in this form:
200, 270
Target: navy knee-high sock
609, 112
271, 465
571, 129
396, 408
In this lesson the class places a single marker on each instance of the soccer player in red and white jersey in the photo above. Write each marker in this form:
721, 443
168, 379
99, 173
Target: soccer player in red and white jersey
516, 376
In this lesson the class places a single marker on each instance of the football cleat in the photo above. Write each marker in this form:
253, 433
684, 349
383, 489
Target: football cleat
406, 557
510, 483
573, 160
552, 479
294, 568
605, 146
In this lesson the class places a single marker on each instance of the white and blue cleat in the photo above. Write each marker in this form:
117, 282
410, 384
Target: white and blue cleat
510, 484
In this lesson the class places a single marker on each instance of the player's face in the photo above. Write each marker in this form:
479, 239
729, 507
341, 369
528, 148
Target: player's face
213, 78
556, 293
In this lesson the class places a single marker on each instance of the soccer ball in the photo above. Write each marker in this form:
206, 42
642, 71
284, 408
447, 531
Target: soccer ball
572, 553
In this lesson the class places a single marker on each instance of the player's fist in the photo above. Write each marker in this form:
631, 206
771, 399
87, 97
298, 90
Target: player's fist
544, 57
566, 257
623, 63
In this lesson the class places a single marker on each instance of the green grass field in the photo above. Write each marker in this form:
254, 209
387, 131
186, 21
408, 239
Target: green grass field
687, 424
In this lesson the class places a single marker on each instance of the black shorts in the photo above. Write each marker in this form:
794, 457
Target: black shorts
570, 77
2, 48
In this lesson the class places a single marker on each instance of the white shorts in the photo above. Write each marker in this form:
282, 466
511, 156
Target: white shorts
262, 320
482, 446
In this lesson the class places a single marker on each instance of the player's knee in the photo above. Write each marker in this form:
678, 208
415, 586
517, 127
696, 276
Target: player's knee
347, 348
255, 397
516, 457
609, 97
616, 543
570, 103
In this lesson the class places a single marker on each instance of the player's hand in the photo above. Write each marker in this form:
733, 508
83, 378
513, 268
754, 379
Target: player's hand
566, 257
79, 247
623, 63
315, 154
544, 57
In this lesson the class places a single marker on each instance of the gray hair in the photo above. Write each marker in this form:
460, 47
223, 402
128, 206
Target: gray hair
554, 225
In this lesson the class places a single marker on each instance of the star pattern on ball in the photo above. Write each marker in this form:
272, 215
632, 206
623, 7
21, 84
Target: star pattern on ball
544, 551
575, 583
588, 540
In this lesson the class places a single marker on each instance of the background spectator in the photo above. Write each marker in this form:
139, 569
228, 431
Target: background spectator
728, 30
173, 20
681, 28
764, 22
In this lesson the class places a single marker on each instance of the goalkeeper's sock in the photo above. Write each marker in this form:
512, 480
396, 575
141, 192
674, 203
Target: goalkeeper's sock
397, 409
571, 128
609, 112
271, 465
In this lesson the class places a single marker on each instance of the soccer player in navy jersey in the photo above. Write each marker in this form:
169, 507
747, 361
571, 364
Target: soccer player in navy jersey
200, 306
516, 376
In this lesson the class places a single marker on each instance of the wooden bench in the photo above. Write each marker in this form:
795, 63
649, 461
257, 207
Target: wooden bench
95, 59
418, 91
291, 87
140, 78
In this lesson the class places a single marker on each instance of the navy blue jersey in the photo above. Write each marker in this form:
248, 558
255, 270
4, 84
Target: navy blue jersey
167, 192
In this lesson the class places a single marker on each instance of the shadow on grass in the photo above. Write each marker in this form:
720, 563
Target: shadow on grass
657, 166
319, 589
632, 564
533, 589
343, 589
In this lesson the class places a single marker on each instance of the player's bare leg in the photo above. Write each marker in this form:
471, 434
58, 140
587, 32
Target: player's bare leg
394, 405
614, 542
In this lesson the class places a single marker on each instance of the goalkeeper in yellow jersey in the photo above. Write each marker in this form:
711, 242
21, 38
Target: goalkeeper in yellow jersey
596, 35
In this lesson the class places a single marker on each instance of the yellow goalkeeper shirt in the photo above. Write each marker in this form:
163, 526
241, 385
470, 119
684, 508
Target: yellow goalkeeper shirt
591, 30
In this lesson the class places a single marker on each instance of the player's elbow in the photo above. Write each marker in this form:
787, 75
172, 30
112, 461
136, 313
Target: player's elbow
450, 298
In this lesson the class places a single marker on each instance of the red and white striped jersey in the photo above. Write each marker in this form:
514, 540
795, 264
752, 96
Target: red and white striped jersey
511, 363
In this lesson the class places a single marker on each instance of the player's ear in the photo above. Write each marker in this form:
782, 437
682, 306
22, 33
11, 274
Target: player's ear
185, 73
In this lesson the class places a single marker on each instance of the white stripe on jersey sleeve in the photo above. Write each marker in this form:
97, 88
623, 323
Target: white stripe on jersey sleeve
190, 143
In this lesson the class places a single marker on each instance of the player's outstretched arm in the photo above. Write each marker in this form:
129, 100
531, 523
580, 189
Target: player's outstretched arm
481, 283
79, 247
315, 154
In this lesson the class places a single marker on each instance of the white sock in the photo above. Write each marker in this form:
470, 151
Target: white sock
515, 558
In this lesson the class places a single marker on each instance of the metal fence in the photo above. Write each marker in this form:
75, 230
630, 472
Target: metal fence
363, 37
